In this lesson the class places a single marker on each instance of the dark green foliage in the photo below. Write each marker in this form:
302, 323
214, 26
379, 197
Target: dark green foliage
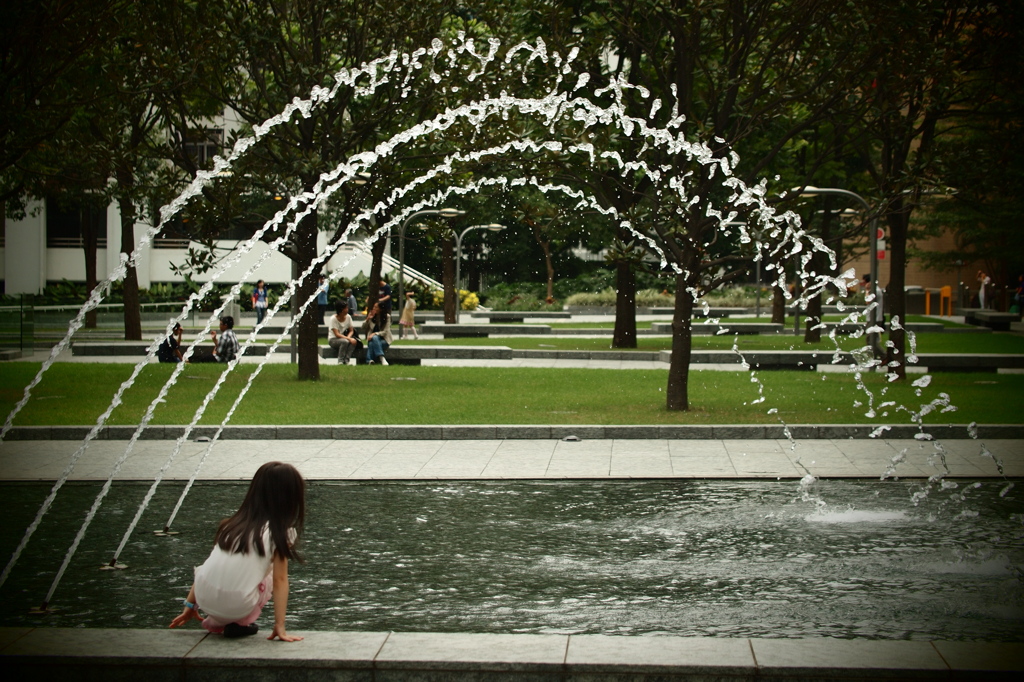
530, 294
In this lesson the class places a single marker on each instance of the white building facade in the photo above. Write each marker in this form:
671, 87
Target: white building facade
31, 258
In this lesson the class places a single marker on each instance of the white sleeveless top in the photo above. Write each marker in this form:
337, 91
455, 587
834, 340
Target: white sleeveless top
227, 584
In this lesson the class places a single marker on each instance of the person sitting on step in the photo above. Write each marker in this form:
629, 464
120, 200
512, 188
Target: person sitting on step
226, 347
377, 330
341, 334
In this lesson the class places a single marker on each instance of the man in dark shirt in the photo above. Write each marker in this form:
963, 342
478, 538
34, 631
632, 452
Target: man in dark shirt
385, 297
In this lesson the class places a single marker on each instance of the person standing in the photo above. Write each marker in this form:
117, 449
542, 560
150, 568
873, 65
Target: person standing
983, 282
407, 322
259, 300
352, 305
321, 296
341, 335
384, 298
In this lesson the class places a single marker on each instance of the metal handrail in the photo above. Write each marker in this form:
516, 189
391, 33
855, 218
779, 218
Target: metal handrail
411, 273
77, 306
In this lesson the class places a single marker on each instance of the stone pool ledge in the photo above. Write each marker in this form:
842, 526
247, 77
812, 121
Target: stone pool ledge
156, 655
525, 432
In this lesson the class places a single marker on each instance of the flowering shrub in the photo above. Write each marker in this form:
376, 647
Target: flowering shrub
467, 299
647, 298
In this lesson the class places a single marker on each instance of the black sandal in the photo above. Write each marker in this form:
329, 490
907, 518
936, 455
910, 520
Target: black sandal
234, 630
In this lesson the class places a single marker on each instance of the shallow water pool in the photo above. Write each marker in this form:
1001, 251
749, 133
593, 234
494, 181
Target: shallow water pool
693, 558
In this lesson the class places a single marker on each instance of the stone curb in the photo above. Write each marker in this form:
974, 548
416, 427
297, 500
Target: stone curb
66, 653
529, 432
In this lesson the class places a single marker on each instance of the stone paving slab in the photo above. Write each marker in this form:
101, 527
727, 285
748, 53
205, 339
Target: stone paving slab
470, 652
77, 653
326, 653
711, 657
845, 658
429, 458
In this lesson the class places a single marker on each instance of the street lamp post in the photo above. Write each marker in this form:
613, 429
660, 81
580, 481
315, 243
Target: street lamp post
492, 227
872, 242
959, 290
444, 213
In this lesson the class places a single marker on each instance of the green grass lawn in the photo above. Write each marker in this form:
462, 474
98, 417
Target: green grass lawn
77, 393
929, 342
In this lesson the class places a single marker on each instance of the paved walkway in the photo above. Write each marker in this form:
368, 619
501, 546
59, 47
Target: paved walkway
329, 459
50, 653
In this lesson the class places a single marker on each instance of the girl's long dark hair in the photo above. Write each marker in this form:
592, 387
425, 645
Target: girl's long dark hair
276, 498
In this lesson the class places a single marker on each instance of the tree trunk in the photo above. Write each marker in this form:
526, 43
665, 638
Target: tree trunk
778, 305
819, 263
90, 242
550, 266
812, 332
625, 306
309, 322
451, 296
895, 297
677, 396
132, 312
376, 265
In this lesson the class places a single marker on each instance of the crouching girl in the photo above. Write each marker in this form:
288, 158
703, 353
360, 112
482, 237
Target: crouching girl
249, 561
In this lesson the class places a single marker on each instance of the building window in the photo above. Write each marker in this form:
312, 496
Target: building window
202, 145
172, 235
66, 225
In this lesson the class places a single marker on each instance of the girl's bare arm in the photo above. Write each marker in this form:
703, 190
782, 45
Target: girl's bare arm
281, 600
188, 613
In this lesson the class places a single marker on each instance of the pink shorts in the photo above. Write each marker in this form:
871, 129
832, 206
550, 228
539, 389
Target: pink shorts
266, 589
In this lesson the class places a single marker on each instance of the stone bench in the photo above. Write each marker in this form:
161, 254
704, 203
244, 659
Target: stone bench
995, 321
414, 355
698, 311
132, 348
763, 360
969, 362
846, 328
705, 328
453, 331
519, 315
811, 359
921, 327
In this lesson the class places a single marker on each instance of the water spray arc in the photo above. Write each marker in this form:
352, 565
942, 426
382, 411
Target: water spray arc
559, 106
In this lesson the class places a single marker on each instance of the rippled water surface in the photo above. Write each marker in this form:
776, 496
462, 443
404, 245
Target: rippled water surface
692, 558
